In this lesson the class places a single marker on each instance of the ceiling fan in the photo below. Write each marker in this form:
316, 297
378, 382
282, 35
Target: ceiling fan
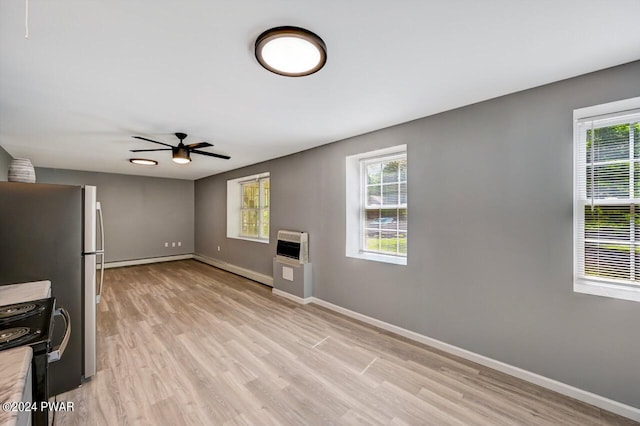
181, 153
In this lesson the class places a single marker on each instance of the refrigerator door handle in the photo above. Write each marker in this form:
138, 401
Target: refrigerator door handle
57, 352
101, 226
99, 292
100, 251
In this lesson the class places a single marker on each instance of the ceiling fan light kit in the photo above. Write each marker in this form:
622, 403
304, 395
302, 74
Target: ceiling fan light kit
290, 51
180, 153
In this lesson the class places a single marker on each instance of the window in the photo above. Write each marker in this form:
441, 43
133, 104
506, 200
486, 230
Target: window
377, 205
248, 203
607, 200
384, 183
254, 211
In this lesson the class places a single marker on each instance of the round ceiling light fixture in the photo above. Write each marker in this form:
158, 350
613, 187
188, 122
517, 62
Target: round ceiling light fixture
291, 51
143, 161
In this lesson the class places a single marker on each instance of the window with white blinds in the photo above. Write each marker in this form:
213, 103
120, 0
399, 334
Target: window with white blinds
376, 205
607, 202
384, 212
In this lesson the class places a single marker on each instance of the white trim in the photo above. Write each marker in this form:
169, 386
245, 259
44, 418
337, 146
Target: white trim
596, 288
147, 260
255, 240
608, 108
290, 296
378, 257
247, 273
554, 385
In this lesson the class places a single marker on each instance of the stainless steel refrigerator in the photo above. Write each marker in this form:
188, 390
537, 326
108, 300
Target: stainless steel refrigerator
54, 232
93, 253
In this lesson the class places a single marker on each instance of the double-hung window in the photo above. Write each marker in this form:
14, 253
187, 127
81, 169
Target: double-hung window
377, 205
254, 212
248, 204
384, 205
607, 201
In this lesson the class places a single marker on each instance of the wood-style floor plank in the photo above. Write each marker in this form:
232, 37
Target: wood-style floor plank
183, 343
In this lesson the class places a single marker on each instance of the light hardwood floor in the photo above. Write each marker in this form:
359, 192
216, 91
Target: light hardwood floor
184, 343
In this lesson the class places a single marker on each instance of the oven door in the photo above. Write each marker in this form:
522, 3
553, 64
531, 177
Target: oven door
40, 364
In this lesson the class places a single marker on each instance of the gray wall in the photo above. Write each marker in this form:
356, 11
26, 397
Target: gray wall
5, 160
490, 235
140, 213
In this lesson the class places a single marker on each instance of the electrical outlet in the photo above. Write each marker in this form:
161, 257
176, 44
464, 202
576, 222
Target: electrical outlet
166, 244
179, 243
218, 248
173, 244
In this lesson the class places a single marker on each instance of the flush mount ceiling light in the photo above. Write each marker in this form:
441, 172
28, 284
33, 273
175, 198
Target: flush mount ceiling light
291, 51
143, 161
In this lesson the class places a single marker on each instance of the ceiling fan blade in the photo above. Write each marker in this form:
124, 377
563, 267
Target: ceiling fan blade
147, 150
149, 140
199, 145
210, 154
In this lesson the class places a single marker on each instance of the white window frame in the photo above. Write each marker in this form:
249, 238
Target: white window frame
355, 205
581, 283
234, 206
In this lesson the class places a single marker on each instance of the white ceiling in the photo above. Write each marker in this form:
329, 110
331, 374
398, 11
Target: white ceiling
94, 73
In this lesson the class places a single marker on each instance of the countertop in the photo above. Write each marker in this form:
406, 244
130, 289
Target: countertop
14, 367
24, 292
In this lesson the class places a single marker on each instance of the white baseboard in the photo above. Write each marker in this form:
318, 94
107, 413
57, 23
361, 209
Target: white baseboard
247, 273
554, 385
290, 296
147, 260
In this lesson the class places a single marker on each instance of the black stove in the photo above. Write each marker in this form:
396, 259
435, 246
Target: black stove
31, 323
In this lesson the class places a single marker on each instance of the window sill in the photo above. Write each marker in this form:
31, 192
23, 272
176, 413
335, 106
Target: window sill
396, 260
255, 240
597, 288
